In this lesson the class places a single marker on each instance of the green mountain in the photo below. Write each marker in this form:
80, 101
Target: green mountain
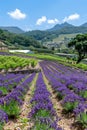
84, 25
50, 34
38, 35
60, 26
11, 29
18, 40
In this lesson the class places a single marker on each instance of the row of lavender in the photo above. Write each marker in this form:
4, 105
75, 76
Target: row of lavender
43, 113
10, 103
8, 82
71, 88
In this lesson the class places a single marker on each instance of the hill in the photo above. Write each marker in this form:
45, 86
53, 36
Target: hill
60, 26
59, 33
84, 25
16, 30
50, 34
17, 40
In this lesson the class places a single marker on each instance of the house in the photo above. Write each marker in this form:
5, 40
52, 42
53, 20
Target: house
3, 47
52, 44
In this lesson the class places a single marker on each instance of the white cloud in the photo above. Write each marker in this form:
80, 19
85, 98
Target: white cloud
17, 14
71, 17
44, 19
53, 21
41, 20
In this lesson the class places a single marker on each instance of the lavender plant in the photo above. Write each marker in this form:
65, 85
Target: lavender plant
11, 102
81, 114
71, 87
3, 119
42, 111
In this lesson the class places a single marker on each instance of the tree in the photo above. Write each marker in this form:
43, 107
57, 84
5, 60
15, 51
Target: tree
53, 48
22, 40
80, 45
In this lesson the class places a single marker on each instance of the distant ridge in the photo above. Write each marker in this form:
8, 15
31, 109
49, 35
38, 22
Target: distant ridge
49, 34
64, 28
84, 25
61, 26
12, 29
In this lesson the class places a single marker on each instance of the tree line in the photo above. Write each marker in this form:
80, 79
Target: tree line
11, 39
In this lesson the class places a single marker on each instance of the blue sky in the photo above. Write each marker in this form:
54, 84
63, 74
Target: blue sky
42, 14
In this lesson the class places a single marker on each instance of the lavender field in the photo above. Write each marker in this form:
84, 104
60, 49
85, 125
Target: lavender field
43, 65
53, 99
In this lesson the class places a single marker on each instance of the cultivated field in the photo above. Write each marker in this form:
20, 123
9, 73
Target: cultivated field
55, 98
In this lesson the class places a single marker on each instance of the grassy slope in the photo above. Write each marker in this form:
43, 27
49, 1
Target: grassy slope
62, 60
62, 36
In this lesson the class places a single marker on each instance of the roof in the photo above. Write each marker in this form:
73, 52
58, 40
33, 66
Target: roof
24, 51
2, 44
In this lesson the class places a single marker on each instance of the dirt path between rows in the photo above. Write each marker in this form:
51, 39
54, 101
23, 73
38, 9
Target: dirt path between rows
22, 123
64, 123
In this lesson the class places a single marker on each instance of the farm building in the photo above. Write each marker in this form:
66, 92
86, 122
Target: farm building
3, 46
20, 51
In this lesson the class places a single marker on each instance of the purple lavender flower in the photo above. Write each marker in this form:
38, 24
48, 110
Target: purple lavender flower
3, 116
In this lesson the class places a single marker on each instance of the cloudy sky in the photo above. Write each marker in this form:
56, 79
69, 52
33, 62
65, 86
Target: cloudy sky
42, 14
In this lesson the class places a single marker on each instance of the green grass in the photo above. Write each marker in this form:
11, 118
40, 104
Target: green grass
62, 36
48, 57
82, 66
62, 60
